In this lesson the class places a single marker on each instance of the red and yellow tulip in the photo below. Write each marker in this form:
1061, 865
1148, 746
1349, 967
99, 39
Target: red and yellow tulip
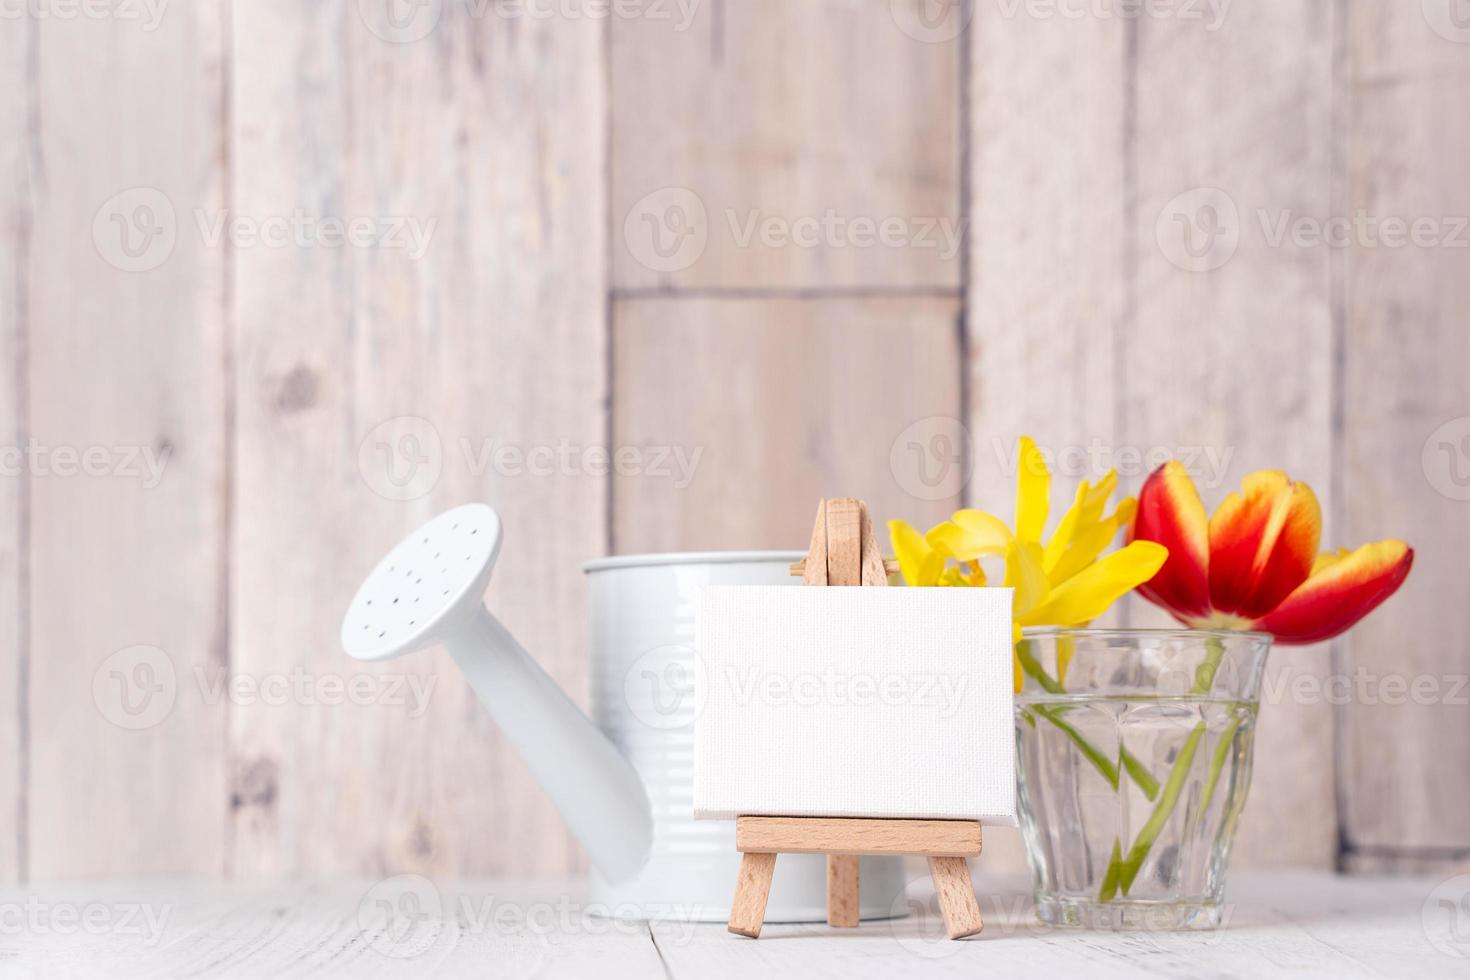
1254, 564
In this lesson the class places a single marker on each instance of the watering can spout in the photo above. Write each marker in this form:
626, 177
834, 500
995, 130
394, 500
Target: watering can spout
427, 591
597, 791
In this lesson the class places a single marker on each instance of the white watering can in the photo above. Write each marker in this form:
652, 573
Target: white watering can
649, 855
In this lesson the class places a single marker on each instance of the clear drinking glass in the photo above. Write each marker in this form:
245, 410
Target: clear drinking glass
1133, 761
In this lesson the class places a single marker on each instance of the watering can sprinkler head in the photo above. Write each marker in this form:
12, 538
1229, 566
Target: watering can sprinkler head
426, 592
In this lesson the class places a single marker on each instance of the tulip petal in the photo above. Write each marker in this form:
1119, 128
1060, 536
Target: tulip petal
1033, 490
1263, 542
1342, 591
919, 563
1090, 592
1171, 514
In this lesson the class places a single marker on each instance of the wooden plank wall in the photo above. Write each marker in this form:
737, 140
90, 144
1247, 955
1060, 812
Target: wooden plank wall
15, 228
814, 247
1406, 431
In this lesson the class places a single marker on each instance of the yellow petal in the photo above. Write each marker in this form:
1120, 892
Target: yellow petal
1327, 559
919, 563
969, 535
1089, 593
1096, 498
1082, 551
1025, 574
1066, 528
1033, 488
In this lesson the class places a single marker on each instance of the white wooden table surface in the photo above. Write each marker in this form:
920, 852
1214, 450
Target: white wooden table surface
1296, 923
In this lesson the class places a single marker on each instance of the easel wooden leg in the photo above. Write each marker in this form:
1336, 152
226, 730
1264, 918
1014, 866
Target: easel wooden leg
842, 890
956, 894
748, 909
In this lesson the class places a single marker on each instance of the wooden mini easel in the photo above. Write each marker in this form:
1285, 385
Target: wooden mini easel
844, 552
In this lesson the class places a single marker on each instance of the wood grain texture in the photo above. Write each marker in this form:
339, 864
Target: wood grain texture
777, 400
752, 888
1048, 291
844, 541
844, 891
858, 835
125, 366
1406, 438
487, 132
1281, 925
16, 94
1229, 355
956, 896
787, 132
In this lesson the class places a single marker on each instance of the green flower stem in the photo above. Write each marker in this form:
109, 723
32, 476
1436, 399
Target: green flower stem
1052, 713
1144, 842
1110, 879
1217, 766
1204, 678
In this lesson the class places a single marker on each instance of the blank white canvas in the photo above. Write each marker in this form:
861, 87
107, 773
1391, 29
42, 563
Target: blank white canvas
854, 702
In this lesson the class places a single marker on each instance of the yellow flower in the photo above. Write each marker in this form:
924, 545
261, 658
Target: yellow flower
1064, 581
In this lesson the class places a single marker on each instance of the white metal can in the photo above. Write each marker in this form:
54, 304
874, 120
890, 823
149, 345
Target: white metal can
643, 699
